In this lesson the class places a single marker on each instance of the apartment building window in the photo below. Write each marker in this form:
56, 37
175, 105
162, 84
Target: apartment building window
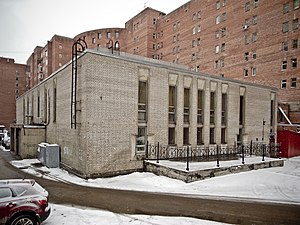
247, 39
218, 19
293, 82
200, 107
284, 65
199, 28
224, 3
142, 102
253, 71
247, 6
141, 139
283, 84
254, 21
296, 4
294, 62
295, 43
222, 62
246, 56
247, 22
194, 16
199, 136
212, 107
186, 132
223, 47
217, 49
154, 21
285, 27
108, 35
295, 24
286, 7
93, 40
172, 104
224, 16
218, 4
254, 37
217, 35
171, 136
174, 27
186, 105
199, 15
174, 39
198, 41
253, 54
223, 32
60, 46
154, 36
154, 46
117, 34
99, 35
246, 72
194, 56
216, 64
285, 46
193, 43
194, 30
178, 25
255, 3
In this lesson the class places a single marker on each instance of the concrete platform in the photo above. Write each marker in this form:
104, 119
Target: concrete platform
194, 171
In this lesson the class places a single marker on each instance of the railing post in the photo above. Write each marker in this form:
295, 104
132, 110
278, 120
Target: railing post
157, 160
243, 155
218, 161
187, 157
263, 152
147, 150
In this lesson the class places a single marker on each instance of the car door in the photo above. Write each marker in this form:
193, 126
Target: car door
6, 203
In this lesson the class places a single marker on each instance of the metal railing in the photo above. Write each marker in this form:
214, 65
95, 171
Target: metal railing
211, 153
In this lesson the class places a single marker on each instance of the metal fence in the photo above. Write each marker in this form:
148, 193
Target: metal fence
212, 152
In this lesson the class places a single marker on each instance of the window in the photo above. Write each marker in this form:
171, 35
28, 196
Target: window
174, 27
194, 16
296, 4
223, 135
293, 82
253, 71
212, 135
217, 35
285, 27
212, 107
199, 28
254, 37
216, 64
108, 35
246, 72
117, 34
154, 21
286, 7
199, 136
224, 3
193, 43
200, 107
93, 40
242, 110
142, 102
194, 56
247, 22
283, 84
199, 15
172, 104
295, 24
174, 39
247, 6
217, 49
223, 32
255, 3
141, 139
5, 193
186, 112
171, 136
186, 132
224, 109
218, 4
247, 39
294, 63
285, 46
295, 43
194, 30
224, 17
222, 62
154, 35
60, 46
254, 19
99, 35
246, 56
218, 19
198, 41
253, 54
284, 65
223, 47
154, 46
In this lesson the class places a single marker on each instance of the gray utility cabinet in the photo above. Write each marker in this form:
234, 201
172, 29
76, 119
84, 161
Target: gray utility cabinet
48, 155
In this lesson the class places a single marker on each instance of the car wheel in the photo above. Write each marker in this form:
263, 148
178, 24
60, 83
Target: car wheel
24, 220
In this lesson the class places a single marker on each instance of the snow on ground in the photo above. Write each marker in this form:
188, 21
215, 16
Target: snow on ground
64, 214
278, 184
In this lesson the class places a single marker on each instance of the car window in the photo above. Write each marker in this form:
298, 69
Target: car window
5, 192
19, 190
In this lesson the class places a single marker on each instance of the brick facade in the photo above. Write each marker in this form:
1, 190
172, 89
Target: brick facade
107, 135
12, 84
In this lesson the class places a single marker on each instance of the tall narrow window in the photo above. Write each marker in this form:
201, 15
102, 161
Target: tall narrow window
223, 135
224, 109
186, 131
284, 65
141, 139
295, 24
293, 82
172, 104
285, 27
142, 100
295, 43
283, 84
54, 101
171, 136
45, 105
212, 135
212, 107
38, 104
199, 136
242, 110
272, 113
186, 112
294, 63
296, 4
285, 46
200, 107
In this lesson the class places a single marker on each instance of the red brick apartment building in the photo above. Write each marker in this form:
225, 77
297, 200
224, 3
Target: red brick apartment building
251, 40
12, 84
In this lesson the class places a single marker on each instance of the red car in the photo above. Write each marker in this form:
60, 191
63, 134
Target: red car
23, 202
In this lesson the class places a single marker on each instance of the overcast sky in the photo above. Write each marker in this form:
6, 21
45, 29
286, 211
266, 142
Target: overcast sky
25, 24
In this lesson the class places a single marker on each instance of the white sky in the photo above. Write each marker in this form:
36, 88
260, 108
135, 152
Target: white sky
24, 24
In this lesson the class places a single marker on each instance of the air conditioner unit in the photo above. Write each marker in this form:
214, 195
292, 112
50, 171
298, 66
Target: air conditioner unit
245, 27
